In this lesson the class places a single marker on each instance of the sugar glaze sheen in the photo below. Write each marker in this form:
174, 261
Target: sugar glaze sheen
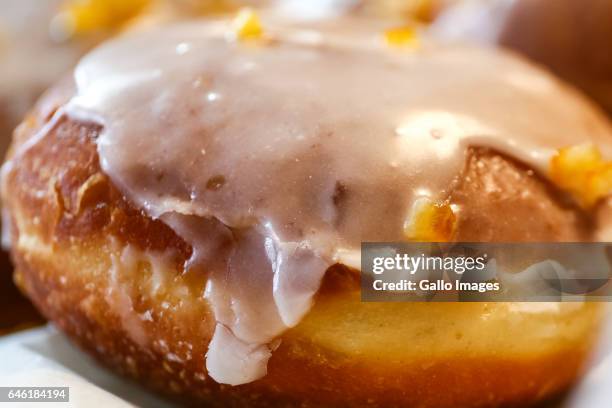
275, 159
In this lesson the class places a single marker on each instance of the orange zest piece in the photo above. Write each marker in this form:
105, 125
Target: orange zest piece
246, 25
430, 222
402, 37
583, 172
85, 16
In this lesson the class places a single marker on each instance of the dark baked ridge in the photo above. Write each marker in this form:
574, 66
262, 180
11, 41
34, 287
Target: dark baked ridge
59, 199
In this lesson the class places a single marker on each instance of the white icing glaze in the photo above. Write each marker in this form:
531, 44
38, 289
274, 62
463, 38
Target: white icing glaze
276, 159
234, 361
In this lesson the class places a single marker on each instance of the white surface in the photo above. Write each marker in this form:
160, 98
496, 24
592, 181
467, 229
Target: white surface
596, 390
43, 357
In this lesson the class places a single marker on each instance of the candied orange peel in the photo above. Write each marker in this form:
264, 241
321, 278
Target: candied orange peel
85, 16
247, 25
430, 222
583, 172
406, 36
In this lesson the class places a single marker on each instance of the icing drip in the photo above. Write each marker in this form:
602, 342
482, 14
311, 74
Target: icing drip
275, 159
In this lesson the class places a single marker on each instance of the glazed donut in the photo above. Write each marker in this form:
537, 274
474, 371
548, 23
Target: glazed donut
188, 208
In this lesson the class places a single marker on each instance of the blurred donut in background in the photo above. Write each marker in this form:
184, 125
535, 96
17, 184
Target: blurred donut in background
41, 40
30, 59
572, 38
